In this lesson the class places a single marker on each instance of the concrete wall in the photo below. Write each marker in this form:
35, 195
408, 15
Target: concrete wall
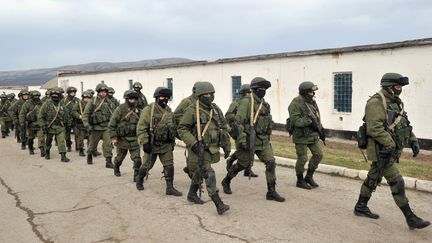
287, 73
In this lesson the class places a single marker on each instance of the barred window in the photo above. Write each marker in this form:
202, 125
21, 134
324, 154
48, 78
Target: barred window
235, 87
130, 84
342, 92
170, 86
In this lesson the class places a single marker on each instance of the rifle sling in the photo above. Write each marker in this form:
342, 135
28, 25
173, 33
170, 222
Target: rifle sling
198, 122
398, 118
56, 116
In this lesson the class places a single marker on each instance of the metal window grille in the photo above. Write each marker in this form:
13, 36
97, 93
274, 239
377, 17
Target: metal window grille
130, 83
170, 86
342, 92
235, 87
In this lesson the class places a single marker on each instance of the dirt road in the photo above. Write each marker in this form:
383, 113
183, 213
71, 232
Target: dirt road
50, 201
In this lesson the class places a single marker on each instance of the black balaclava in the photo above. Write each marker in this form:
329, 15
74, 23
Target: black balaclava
207, 100
55, 99
260, 92
162, 102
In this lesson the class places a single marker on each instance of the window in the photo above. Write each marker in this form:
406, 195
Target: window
342, 92
82, 87
170, 86
235, 87
130, 84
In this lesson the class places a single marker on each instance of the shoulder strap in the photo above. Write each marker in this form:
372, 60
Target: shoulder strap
198, 121
57, 109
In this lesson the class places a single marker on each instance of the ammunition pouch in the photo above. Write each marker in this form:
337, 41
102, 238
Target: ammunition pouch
362, 140
100, 117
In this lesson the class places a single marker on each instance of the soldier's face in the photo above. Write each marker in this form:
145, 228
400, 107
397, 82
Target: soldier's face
311, 93
25, 97
85, 99
398, 87
132, 101
102, 94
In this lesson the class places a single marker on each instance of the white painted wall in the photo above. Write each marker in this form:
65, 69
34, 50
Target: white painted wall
287, 73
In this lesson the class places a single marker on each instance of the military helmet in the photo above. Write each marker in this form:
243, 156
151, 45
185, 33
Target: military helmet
306, 87
90, 91
137, 85
57, 91
48, 92
162, 91
194, 87
130, 94
34, 93
11, 95
390, 79
3, 96
101, 87
204, 87
71, 89
245, 88
86, 94
111, 90
259, 82
23, 92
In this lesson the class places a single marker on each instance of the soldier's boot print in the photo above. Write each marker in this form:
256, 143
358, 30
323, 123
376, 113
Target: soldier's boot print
140, 179
301, 183
30, 146
272, 194
47, 155
81, 152
89, 159
412, 220
64, 158
361, 208
42, 152
108, 163
309, 179
248, 172
117, 168
192, 194
220, 206
169, 178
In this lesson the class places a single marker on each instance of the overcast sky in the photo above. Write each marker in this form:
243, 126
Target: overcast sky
50, 33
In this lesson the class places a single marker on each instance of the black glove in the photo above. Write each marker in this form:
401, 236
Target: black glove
243, 146
227, 153
322, 136
195, 148
45, 129
147, 148
415, 146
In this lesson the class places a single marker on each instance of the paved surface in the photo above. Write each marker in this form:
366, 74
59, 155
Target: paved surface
50, 201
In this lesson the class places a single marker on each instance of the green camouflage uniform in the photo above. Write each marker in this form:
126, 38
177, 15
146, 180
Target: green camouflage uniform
52, 118
68, 103
80, 132
29, 122
14, 114
4, 115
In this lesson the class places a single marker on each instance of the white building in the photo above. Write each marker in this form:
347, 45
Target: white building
346, 77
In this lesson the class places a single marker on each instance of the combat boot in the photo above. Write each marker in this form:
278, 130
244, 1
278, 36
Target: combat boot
117, 169
109, 163
220, 206
96, 153
18, 139
64, 158
81, 152
272, 194
248, 172
30, 146
47, 155
89, 159
136, 166
361, 208
192, 194
140, 179
412, 220
309, 179
169, 178
229, 163
226, 184
23, 145
301, 183
42, 152
69, 148
3, 135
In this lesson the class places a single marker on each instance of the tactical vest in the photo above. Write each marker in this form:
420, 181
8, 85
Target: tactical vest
263, 122
100, 111
163, 126
55, 114
128, 124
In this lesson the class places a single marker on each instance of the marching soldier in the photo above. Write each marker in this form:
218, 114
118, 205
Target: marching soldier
142, 101
254, 123
14, 113
4, 115
97, 114
156, 132
389, 131
115, 103
28, 119
244, 92
204, 130
80, 132
52, 118
307, 131
12, 101
123, 130
68, 102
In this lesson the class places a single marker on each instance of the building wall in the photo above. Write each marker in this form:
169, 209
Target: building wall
287, 73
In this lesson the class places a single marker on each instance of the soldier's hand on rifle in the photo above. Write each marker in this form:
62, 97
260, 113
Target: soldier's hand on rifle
45, 129
114, 141
415, 146
147, 148
195, 148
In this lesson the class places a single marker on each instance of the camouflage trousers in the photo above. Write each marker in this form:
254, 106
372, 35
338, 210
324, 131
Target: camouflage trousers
394, 179
94, 138
33, 133
302, 157
79, 135
59, 135
3, 125
210, 175
122, 151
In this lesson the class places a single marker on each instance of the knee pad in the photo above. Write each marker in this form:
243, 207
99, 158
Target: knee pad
397, 186
211, 179
270, 165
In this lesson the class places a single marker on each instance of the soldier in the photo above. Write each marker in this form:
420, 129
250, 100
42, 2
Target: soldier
68, 103
142, 101
389, 131
14, 113
80, 132
307, 131
4, 115
97, 114
115, 103
52, 118
91, 92
29, 122
123, 127
254, 122
179, 112
204, 130
47, 96
156, 132
244, 93
12, 101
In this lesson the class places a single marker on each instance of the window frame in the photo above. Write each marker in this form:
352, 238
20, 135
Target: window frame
337, 107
